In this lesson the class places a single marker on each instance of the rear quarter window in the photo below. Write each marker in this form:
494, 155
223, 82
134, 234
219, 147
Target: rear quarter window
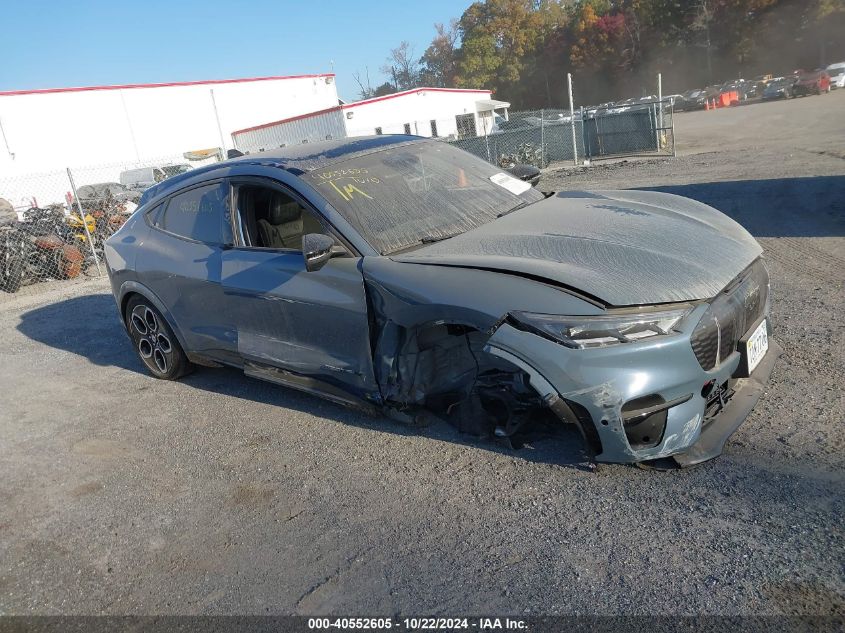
200, 214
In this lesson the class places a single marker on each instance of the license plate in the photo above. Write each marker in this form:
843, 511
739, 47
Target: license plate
757, 346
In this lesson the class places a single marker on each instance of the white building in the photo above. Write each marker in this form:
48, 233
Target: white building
46, 130
440, 112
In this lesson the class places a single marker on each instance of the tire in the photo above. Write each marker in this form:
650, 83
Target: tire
12, 276
154, 341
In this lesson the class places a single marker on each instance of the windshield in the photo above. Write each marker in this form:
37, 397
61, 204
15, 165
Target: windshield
416, 193
835, 72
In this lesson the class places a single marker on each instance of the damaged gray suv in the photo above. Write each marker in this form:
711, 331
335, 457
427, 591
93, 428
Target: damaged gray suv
404, 276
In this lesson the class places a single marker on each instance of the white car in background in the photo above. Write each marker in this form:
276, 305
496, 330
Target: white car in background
143, 178
837, 75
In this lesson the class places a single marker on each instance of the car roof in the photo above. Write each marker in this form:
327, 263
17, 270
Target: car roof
297, 159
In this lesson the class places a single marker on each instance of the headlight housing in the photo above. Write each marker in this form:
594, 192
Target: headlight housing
583, 332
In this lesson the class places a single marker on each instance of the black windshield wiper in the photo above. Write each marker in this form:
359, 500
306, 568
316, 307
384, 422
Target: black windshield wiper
431, 239
516, 208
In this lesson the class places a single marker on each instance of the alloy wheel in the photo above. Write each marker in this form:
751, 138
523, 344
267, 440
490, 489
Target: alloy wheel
154, 345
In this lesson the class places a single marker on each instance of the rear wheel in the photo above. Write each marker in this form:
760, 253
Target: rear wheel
154, 341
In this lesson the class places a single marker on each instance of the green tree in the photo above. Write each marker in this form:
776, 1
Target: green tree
440, 61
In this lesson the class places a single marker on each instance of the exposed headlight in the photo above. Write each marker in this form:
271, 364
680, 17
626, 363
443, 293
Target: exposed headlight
601, 331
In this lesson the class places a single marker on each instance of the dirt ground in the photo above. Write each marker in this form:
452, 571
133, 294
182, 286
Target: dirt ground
220, 494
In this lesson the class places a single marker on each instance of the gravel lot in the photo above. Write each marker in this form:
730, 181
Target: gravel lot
221, 494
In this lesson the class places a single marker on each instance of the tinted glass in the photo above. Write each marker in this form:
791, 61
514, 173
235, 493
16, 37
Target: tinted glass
155, 216
402, 196
199, 214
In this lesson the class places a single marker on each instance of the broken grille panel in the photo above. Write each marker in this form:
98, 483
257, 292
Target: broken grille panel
730, 316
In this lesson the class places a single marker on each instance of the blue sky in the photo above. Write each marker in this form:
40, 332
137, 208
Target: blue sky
60, 44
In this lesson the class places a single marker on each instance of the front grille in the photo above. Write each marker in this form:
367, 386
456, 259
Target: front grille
730, 316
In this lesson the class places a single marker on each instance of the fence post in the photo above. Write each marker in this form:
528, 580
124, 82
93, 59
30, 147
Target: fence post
572, 120
672, 114
82, 219
584, 134
660, 98
656, 129
542, 140
487, 137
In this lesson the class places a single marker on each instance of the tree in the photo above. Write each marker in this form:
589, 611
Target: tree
502, 43
385, 89
440, 60
522, 49
402, 67
365, 88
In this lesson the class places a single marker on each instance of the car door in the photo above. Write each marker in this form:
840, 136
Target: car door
305, 329
181, 263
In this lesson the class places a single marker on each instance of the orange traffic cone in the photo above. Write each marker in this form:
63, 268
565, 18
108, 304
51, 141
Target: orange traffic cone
462, 178
707, 104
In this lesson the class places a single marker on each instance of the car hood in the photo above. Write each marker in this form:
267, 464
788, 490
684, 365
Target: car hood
621, 247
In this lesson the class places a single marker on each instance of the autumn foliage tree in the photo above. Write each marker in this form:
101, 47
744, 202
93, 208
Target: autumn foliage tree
522, 49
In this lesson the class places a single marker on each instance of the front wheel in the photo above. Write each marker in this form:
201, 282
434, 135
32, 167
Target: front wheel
154, 341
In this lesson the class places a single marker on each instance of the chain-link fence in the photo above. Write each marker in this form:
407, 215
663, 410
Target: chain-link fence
53, 224
644, 128
542, 137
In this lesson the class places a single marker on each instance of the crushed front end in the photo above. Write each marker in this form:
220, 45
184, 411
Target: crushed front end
642, 396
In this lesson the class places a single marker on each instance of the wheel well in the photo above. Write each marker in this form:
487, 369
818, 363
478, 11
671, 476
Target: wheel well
443, 367
125, 302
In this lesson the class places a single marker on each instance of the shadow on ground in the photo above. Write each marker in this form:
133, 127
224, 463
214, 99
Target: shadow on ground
778, 207
88, 326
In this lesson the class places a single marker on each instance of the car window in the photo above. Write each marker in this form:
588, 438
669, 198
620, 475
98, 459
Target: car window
269, 218
155, 216
199, 214
416, 193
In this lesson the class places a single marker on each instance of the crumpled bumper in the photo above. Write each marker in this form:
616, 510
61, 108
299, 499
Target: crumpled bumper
592, 386
747, 392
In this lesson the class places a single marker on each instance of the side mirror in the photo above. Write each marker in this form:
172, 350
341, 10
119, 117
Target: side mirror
527, 173
317, 250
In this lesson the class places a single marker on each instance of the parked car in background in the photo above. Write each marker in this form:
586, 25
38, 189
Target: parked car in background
836, 72
143, 178
405, 276
97, 194
812, 83
779, 89
175, 170
690, 100
750, 89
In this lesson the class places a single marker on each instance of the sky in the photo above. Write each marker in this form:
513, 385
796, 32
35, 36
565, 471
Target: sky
86, 43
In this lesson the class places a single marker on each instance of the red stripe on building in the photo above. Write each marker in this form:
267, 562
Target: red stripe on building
10, 93
347, 106
288, 120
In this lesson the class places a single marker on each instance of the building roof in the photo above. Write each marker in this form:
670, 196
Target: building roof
492, 104
357, 104
9, 93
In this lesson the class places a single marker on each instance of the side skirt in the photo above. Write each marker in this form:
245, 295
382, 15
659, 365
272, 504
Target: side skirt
307, 384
